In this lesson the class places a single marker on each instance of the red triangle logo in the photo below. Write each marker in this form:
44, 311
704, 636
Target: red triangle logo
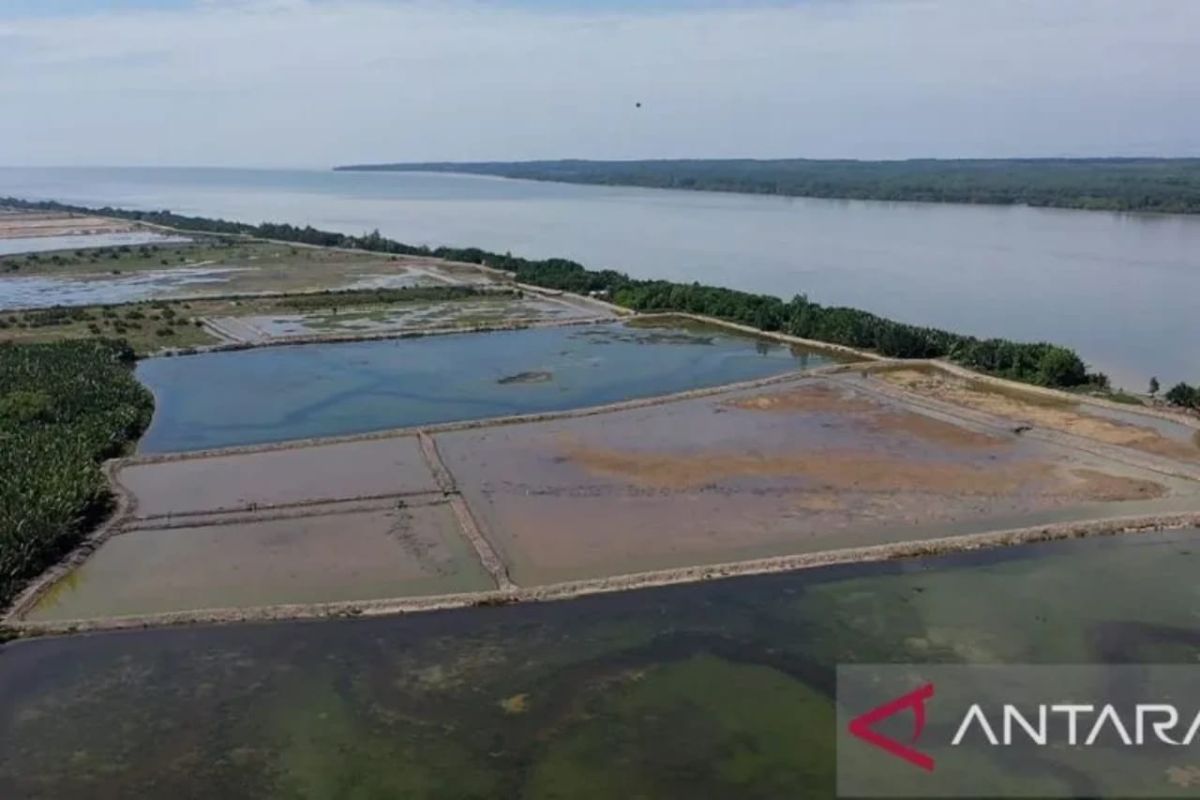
860, 726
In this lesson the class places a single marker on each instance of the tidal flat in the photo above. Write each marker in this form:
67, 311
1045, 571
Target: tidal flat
600, 697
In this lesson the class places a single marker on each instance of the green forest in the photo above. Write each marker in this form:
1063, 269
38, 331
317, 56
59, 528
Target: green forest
64, 409
1110, 184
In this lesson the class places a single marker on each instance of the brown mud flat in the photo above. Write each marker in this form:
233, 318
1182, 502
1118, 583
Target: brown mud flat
1113, 488
318, 558
31, 224
817, 464
1027, 408
817, 397
325, 472
836, 471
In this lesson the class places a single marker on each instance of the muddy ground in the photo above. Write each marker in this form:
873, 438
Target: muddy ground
815, 465
326, 557
28, 224
278, 477
1125, 430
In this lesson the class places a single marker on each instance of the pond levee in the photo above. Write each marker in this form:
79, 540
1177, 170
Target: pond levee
462, 513
629, 582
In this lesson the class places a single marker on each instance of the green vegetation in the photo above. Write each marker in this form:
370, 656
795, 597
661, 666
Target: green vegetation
64, 408
120, 259
146, 326
1184, 395
350, 298
1110, 184
1041, 363
149, 326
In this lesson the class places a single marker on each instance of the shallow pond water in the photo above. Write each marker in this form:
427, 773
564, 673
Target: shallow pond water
281, 393
85, 290
602, 697
46, 244
459, 313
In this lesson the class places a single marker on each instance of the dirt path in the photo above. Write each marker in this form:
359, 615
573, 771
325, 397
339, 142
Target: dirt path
462, 513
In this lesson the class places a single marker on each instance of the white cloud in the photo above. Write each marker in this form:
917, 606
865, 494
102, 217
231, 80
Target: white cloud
303, 82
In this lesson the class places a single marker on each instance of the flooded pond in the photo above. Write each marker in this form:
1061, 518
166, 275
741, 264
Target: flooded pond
80, 241
603, 697
483, 311
282, 393
43, 292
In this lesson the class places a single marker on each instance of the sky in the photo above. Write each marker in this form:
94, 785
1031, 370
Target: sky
313, 83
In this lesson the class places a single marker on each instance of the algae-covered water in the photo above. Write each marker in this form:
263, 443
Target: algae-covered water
281, 393
718, 690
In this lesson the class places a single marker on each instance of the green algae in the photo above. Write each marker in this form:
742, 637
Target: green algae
711, 690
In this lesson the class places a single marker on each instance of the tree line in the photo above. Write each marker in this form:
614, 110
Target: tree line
1110, 184
1041, 363
1184, 395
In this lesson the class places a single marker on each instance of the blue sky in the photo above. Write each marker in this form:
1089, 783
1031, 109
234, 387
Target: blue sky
45, 8
319, 82
30, 8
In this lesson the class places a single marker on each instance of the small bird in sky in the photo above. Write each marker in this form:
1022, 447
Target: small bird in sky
638, 104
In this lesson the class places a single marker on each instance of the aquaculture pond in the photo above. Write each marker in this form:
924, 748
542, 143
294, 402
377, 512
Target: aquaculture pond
281, 393
79, 241
50, 291
716, 690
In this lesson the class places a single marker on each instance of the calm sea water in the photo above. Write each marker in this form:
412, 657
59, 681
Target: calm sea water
715, 691
279, 393
1120, 288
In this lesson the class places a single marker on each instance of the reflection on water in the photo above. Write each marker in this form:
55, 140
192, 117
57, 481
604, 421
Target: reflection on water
1120, 288
45, 244
714, 690
280, 393
44, 292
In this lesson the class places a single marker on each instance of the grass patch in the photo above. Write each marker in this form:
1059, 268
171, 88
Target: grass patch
146, 327
121, 259
151, 326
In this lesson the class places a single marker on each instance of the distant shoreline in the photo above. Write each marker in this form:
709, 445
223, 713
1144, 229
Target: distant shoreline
1133, 185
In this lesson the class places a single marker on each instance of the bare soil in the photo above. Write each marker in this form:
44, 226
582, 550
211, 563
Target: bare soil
280, 477
22, 225
322, 558
1040, 412
816, 397
839, 471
